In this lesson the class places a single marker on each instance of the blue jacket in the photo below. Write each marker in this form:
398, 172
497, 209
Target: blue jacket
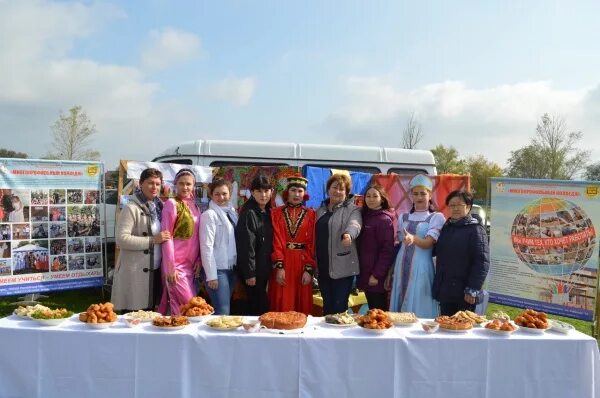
463, 259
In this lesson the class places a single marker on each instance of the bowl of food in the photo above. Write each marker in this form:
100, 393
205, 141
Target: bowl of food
251, 325
132, 322
430, 326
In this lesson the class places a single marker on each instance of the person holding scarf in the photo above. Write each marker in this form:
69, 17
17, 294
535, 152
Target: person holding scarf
137, 281
217, 245
180, 255
414, 271
290, 288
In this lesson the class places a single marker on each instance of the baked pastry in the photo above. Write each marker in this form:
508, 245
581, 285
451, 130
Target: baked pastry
469, 316
502, 325
450, 323
197, 306
532, 319
402, 317
283, 320
375, 319
342, 318
170, 321
99, 313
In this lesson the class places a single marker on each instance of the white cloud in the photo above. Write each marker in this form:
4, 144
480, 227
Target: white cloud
237, 91
169, 47
490, 121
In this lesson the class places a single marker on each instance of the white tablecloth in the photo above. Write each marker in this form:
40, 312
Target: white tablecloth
72, 360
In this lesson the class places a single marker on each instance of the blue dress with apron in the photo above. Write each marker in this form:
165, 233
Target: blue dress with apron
414, 269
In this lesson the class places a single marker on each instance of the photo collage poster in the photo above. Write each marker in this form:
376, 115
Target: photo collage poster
544, 245
50, 227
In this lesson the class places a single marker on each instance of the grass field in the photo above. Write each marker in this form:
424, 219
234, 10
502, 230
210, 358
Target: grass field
79, 300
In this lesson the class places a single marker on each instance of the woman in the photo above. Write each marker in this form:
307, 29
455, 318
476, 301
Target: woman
137, 281
463, 257
413, 272
16, 214
217, 245
181, 255
338, 225
375, 245
293, 257
254, 241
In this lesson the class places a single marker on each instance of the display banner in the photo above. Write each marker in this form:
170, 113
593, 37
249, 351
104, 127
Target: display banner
50, 230
543, 245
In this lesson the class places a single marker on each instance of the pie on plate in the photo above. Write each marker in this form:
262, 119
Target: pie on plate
289, 320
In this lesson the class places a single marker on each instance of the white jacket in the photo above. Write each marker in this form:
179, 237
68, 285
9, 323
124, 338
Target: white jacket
215, 250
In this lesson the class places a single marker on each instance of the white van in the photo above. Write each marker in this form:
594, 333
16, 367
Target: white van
367, 159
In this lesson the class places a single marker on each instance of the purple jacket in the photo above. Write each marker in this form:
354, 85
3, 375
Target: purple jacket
375, 248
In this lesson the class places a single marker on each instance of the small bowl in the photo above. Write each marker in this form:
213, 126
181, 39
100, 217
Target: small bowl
251, 326
131, 322
430, 326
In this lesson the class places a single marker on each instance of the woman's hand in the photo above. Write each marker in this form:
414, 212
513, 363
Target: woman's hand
469, 299
214, 284
172, 277
346, 240
306, 278
387, 284
251, 281
280, 277
161, 237
373, 281
409, 238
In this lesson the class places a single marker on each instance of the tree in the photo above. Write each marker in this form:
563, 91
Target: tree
481, 169
72, 136
8, 153
412, 134
592, 172
552, 153
447, 160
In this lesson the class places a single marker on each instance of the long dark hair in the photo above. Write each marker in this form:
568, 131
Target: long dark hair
385, 200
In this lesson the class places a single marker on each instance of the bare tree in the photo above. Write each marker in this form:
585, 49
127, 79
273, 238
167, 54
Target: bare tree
412, 134
72, 136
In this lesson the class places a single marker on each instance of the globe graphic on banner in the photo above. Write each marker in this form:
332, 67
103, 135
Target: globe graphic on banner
553, 236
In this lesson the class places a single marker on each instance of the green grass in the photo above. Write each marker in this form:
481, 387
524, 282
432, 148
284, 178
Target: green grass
79, 300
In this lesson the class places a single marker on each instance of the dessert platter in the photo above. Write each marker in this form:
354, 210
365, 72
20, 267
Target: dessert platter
376, 321
342, 320
454, 324
560, 326
470, 316
170, 323
99, 316
51, 317
25, 312
225, 322
532, 321
283, 322
500, 326
136, 318
196, 309
403, 318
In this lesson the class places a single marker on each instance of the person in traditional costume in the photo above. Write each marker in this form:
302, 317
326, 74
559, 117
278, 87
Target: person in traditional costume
290, 288
413, 273
254, 241
217, 245
181, 254
339, 222
137, 278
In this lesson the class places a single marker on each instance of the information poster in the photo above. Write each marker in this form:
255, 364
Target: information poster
544, 245
50, 235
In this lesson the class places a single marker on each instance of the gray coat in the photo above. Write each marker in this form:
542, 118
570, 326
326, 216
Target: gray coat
133, 277
346, 218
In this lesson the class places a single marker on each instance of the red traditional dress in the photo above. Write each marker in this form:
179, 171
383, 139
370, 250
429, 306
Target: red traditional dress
293, 246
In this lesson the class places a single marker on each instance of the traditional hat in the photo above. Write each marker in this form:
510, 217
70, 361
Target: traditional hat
421, 180
296, 181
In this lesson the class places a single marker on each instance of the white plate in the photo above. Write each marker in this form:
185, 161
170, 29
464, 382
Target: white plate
339, 325
561, 327
374, 331
532, 330
129, 316
50, 322
105, 325
441, 329
199, 318
223, 329
168, 328
404, 324
23, 316
281, 331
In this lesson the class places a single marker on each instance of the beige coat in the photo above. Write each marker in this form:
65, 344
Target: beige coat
133, 277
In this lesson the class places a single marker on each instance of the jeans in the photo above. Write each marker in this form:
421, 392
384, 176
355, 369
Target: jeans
335, 293
220, 297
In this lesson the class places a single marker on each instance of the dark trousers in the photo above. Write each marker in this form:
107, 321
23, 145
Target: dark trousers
335, 293
452, 308
156, 288
256, 296
377, 300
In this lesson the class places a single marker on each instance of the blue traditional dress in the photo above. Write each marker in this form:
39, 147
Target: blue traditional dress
414, 269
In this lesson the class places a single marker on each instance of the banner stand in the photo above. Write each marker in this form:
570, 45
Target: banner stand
30, 299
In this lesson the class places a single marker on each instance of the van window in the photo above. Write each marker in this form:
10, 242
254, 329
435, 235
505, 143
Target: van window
220, 163
177, 161
398, 170
360, 169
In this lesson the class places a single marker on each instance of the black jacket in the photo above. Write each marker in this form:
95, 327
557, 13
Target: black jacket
254, 241
463, 259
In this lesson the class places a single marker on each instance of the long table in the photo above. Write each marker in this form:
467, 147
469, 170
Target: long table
72, 360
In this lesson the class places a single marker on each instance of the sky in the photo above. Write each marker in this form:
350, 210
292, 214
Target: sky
155, 73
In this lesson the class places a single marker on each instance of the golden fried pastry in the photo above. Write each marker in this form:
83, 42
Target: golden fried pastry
197, 306
99, 313
451, 323
532, 319
375, 319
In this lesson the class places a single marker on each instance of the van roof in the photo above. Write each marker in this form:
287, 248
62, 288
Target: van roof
279, 150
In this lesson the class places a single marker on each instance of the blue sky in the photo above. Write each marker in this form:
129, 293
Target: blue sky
478, 75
